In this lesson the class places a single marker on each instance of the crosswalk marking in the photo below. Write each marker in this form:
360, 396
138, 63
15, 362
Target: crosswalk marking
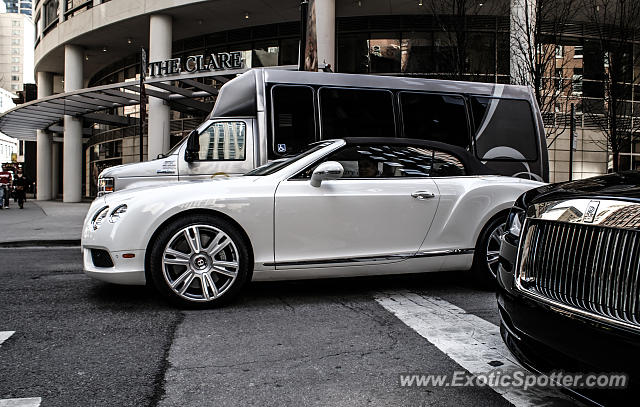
28, 402
4, 335
469, 340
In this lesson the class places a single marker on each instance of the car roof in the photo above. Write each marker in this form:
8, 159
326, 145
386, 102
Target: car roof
472, 164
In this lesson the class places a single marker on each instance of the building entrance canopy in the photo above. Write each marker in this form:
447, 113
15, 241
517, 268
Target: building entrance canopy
180, 92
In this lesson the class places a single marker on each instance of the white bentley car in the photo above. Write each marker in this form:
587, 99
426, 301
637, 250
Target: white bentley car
344, 207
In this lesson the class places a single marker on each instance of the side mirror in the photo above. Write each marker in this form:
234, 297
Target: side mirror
193, 147
326, 171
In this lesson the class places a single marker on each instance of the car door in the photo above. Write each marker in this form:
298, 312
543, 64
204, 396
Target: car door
226, 148
379, 211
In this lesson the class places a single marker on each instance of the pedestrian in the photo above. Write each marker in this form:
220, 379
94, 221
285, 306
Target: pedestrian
1, 196
20, 184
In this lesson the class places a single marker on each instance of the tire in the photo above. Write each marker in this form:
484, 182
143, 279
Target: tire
485, 260
199, 273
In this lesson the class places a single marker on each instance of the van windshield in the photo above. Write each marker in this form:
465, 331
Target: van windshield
276, 165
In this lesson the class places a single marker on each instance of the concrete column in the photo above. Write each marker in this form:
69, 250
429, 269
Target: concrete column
55, 168
43, 144
160, 38
72, 151
62, 8
326, 32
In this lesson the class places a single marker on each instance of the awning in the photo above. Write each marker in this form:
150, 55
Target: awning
181, 93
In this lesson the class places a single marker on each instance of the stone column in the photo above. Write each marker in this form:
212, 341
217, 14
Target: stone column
55, 168
160, 38
523, 21
326, 32
43, 144
72, 150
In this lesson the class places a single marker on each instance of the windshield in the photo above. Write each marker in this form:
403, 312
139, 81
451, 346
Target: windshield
276, 165
174, 148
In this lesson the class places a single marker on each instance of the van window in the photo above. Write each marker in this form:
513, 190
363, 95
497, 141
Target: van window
433, 117
222, 141
356, 113
504, 129
293, 119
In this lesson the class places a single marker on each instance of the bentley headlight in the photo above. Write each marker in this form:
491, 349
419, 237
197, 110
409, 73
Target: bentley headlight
99, 217
106, 185
117, 213
515, 221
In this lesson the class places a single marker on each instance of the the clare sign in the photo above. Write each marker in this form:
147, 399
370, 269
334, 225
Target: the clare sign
196, 63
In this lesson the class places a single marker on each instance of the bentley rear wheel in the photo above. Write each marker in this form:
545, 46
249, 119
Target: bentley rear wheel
200, 261
487, 251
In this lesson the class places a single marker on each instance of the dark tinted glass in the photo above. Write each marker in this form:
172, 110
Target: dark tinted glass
380, 161
356, 113
435, 117
293, 119
504, 129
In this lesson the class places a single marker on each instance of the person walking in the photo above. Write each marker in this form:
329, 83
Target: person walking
1, 196
20, 184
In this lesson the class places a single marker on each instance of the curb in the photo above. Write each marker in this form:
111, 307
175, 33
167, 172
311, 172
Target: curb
46, 243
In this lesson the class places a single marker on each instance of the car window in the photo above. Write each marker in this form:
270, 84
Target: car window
293, 116
356, 113
435, 117
222, 141
276, 165
381, 161
504, 129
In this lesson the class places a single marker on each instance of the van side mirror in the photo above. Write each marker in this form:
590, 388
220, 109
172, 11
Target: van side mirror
326, 171
193, 147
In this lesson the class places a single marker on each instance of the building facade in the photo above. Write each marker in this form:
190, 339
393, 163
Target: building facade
86, 44
19, 6
16, 51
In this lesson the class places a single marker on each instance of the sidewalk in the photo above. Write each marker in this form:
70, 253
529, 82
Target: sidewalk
42, 223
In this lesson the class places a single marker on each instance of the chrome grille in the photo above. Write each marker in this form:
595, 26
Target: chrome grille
585, 267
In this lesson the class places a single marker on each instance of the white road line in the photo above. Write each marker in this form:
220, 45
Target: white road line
28, 402
469, 340
4, 335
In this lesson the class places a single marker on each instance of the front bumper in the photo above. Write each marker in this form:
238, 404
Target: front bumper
111, 239
545, 338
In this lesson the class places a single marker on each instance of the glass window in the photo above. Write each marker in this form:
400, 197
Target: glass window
293, 116
384, 53
384, 161
504, 129
440, 118
356, 113
222, 141
416, 52
265, 54
353, 53
578, 51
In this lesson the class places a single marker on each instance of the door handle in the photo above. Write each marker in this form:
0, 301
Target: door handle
422, 195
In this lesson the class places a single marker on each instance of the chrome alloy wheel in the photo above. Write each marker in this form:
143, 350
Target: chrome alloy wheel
493, 248
200, 263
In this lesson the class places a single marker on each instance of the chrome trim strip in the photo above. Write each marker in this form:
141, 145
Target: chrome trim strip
370, 259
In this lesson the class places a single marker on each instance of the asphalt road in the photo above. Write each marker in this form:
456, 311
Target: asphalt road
326, 342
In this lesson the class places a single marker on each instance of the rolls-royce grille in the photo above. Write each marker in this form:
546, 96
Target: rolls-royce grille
590, 268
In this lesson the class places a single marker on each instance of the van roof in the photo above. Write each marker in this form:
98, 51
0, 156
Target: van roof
393, 82
240, 93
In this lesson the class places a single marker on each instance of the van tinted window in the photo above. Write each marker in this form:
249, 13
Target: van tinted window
440, 118
293, 118
504, 129
356, 113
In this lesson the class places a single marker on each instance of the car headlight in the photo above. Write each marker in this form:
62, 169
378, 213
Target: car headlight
106, 185
515, 221
99, 217
117, 213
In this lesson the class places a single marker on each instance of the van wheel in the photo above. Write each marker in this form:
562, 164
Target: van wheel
199, 261
487, 251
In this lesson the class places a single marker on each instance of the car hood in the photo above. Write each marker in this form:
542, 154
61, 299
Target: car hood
192, 188
167, 165
622, 185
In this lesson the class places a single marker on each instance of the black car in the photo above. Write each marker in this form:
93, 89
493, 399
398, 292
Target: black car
569, 281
